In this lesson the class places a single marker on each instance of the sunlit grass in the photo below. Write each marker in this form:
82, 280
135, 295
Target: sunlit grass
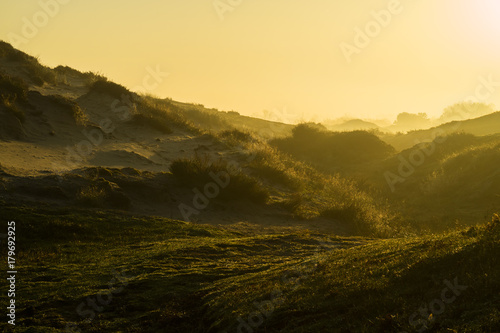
195, 277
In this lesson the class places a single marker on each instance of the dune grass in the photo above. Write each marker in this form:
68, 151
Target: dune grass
310, 193
103, 86
36, 72
179, 276
12, 92
236, 185
235, 136
378, 287
161, 115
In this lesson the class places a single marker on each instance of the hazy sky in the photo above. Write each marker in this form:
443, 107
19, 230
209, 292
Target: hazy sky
257, 55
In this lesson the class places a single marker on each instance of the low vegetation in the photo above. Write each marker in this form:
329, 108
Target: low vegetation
12, 92
233, 183
103, 86
160, 115
103, 194
235, 136
457, 177
195, 278
28, 66
13, 88
390, 286
207, 119
333, 150
311, 193
70, 105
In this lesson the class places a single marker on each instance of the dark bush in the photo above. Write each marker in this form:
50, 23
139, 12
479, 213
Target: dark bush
333, 149
112, 89
103, 194
152, 122
236, 135
12, 91
13, 88
8, 52
198, 172
36, 72
70, 105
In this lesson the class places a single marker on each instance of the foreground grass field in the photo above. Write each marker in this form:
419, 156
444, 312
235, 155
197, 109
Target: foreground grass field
105, 271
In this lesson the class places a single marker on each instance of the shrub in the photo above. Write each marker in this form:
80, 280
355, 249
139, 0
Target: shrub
11, 54
66, 70
199, 171
236, 135
364, 217
112, 89
76, 112
9, 105
151, 121
293, 203
62, 73
160, 115
268, 163
206, 119
93, 77
333, 149
92, 196
13, 88
194, 171
345, 213
103, 194
37, 73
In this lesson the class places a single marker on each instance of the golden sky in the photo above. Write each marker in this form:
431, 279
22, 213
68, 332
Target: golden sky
315, 59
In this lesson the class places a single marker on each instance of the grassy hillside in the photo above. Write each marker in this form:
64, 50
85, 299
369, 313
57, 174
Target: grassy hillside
452, 180
150, 274
455, 178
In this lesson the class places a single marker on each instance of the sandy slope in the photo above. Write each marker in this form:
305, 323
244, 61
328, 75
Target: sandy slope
54, 141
